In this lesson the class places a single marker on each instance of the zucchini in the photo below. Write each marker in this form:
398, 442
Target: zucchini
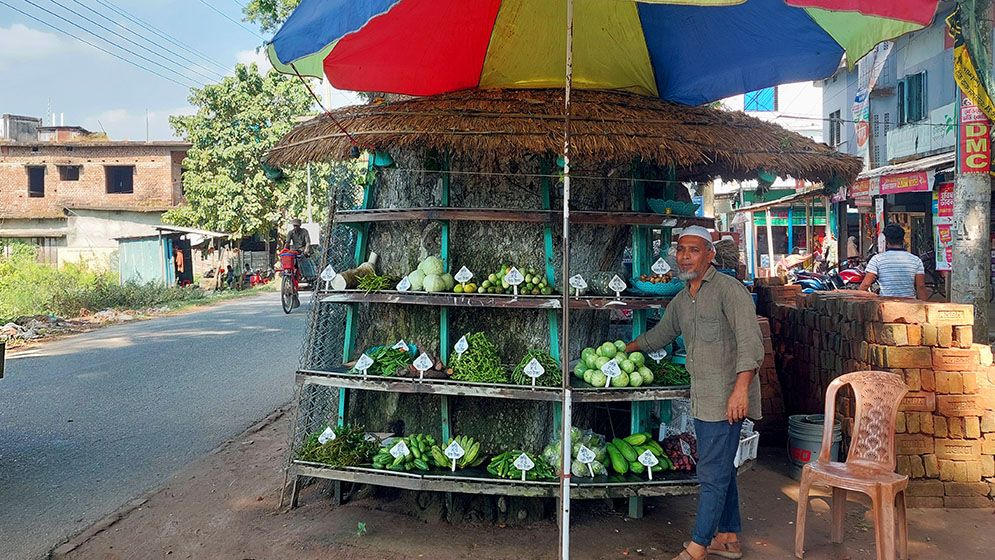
619, 464
636, 439
636, 467
627, 451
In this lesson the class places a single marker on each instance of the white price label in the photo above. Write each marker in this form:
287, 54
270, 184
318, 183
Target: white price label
577, 282
464, 275
400, 449
524, 464
686, 450
461, 346
514, 277
611, 371
423, 364
401, 345
661, 266
326, 436
585, 455
658, 355
649, 460
404, 285
617, 285
328, 273
364, 363
669, 222
454, 452
534, 370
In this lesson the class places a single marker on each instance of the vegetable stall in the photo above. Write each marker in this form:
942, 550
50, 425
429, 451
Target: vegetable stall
468, 349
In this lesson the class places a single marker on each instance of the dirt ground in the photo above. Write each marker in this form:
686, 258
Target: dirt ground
226, 507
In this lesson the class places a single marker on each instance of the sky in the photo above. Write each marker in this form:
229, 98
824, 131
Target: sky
43, 71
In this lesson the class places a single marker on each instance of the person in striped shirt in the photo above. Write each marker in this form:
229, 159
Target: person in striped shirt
897, 271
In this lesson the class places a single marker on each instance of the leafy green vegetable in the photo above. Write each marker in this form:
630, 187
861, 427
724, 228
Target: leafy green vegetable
480, 363
350, 448
551, 377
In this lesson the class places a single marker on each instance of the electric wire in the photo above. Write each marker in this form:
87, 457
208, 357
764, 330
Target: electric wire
229, 18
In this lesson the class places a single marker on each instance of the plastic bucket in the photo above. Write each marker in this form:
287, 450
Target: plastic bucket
805, 440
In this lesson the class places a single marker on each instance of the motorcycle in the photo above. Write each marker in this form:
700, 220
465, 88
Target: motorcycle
815, 281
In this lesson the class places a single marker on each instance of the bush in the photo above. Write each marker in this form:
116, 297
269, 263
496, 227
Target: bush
28, 287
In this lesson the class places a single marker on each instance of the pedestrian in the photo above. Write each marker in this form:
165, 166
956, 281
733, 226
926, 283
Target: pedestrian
897, 271
717, 319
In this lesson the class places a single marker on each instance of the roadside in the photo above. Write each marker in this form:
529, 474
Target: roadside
225, 506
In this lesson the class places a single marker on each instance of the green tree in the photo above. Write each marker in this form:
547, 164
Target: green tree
237, 121
269, 14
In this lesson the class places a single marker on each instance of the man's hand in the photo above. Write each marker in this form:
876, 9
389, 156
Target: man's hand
739, 400
631, 347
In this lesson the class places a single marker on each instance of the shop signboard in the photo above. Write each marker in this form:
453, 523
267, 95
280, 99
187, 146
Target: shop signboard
917, 181
975, 146
879, 219
862, 191
943, 217
943, 239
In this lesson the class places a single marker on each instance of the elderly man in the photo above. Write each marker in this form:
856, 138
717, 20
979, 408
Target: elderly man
298, 239
716, 316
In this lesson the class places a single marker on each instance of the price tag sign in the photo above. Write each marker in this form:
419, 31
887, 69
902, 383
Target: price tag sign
669, 222
455, 451
423, 364
461, 346
586, 456
524, 464
534, 370
401, 345
661, 266
578, 283
464, 275
686, 450
611, 371
514, 278
400, 449
617, 285
326, 276
658, 355
326, 436
404, 285
649, 460
364, 363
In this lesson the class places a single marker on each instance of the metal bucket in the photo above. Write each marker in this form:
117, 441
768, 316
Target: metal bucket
805, 441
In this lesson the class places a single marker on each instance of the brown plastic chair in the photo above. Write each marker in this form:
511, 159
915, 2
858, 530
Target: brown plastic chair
869, 466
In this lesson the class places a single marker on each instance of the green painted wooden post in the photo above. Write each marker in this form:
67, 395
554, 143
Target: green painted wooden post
552, 316
362, 236
444, 311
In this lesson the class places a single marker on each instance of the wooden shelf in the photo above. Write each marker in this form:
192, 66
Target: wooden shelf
666, 484
506, 301
581, 391
509, 215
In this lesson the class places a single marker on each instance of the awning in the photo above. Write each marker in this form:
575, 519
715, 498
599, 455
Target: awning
911, 176
191, 231
921, 164
28, 233
785, 201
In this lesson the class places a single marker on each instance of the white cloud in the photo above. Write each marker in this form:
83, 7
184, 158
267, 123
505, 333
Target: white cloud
250, 56
28, 43
122, 124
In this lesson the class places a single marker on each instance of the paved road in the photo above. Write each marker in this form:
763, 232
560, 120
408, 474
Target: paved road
91, 421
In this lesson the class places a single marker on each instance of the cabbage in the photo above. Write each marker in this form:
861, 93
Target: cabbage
431, 265
434, 283
417, 279
449, 281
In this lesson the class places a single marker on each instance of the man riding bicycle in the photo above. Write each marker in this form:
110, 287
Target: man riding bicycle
298, 244
298, 239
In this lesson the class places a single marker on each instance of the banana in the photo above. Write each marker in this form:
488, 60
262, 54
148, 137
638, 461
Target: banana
439, 457
471, 454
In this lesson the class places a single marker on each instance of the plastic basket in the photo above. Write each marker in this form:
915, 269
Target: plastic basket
288, 261
748, 448
675, 207
671, 288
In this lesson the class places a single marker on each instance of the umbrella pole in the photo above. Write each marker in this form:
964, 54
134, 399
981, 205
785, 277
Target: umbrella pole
566, 421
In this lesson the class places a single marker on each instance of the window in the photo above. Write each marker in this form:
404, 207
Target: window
912, 103
120, 179
36, 181
835, 128
761, 100
69, 172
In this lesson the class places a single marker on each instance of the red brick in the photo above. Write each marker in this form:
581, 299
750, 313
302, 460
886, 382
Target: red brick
987, 466
988, 422
963, 336
906, 444
984, 354
964, 489
944, 336
929, 335
957, 449
972, 427
906, 357
988, 444
923, 488
940, 426
948, 382
932, 467
914, 334
896, 311
919, 502
955, 428
955, 359
920, 401
958, 405
928, 424
928, 379
891, 334
975, 502
950, 314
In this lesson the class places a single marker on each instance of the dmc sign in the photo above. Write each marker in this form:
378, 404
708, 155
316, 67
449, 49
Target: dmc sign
975, 145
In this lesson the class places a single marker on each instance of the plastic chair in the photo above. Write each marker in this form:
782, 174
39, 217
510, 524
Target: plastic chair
869, 466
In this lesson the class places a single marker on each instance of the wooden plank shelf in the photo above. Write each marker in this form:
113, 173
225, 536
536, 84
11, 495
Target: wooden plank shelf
523, 215
446, 299
480, 482
582, 392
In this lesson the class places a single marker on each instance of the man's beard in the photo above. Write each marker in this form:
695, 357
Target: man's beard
687, 276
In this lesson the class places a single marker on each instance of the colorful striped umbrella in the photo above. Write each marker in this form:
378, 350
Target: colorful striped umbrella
687, 51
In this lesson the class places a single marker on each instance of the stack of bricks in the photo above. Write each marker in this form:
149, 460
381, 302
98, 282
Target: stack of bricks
945, 432
771, 292
774, 422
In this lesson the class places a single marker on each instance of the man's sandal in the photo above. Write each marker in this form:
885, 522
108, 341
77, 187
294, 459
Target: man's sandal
730, 550
685, 555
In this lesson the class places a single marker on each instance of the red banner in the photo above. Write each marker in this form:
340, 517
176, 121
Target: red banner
975, 148
945, 200
916, 11
919, 181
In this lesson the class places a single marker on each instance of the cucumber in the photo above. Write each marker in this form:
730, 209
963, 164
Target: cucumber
636, 467
627, 451
655, 446
636, 439
619, 464
421, 465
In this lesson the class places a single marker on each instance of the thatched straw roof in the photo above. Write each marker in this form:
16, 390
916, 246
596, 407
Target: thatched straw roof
607, 128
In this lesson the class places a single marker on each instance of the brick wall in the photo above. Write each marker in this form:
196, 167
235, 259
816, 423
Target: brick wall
156, 178
945, 434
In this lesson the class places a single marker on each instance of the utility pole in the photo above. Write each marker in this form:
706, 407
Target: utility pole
970, 279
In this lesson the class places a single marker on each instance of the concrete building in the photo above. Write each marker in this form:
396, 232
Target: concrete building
73, 196
17, 128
